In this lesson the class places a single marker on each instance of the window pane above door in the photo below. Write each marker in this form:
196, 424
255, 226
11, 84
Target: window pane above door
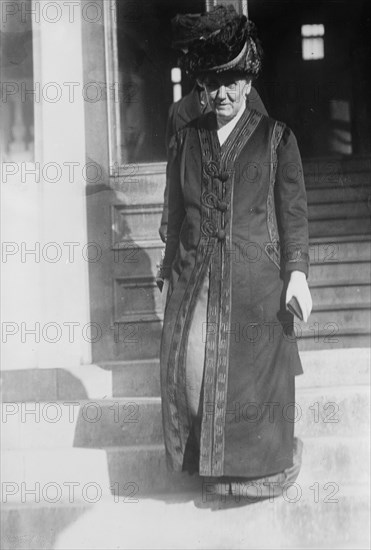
145, 63
17, 82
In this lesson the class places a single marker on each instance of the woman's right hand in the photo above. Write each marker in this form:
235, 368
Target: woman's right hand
165, 290
298, 287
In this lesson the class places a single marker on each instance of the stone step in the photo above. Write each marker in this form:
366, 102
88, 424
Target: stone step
139, 470
324, 460
142, 378
134, 378
343, 315
137, 420
331, 327
340, 183
335, 209
325, 194
303, 518
93, 424
333, 368
346, 295
50, 473
330, 251
336, 459
321, 368
340, 226
335, 411
42, 384
350, 339
332, 273
335, 173
327, 366
143, 469
329, 323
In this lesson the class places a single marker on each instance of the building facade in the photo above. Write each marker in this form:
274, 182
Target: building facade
86, 88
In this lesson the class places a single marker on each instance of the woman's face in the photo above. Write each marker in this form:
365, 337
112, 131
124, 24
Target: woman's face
226, 94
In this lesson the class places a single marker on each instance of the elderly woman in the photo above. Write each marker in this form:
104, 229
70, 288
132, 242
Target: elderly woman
236, 254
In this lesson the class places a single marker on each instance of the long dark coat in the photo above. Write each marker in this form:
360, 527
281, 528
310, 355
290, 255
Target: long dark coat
237, 215
186, 110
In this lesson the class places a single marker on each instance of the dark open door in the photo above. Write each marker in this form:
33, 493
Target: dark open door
126, 149
315, 73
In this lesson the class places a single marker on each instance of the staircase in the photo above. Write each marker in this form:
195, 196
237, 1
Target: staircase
339, 201
110, 443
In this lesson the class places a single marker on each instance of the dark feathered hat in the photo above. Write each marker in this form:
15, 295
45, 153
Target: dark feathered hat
217, 41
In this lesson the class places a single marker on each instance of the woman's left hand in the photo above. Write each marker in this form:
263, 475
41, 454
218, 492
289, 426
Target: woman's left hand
164, 293
298, 287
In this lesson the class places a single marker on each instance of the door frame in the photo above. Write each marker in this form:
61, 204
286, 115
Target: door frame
116, 167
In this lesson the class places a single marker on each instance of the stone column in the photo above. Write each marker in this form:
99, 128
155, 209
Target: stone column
60, 149
45, 210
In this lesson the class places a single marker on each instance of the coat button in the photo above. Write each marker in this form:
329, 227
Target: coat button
211, 168
208, 228
224, 176
223, 206
221, 234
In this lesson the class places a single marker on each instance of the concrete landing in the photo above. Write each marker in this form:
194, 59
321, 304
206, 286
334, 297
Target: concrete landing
335, 517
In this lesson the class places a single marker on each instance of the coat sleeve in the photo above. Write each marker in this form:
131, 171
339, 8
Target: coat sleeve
164, 216
170, 131
175, 207
291, 202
